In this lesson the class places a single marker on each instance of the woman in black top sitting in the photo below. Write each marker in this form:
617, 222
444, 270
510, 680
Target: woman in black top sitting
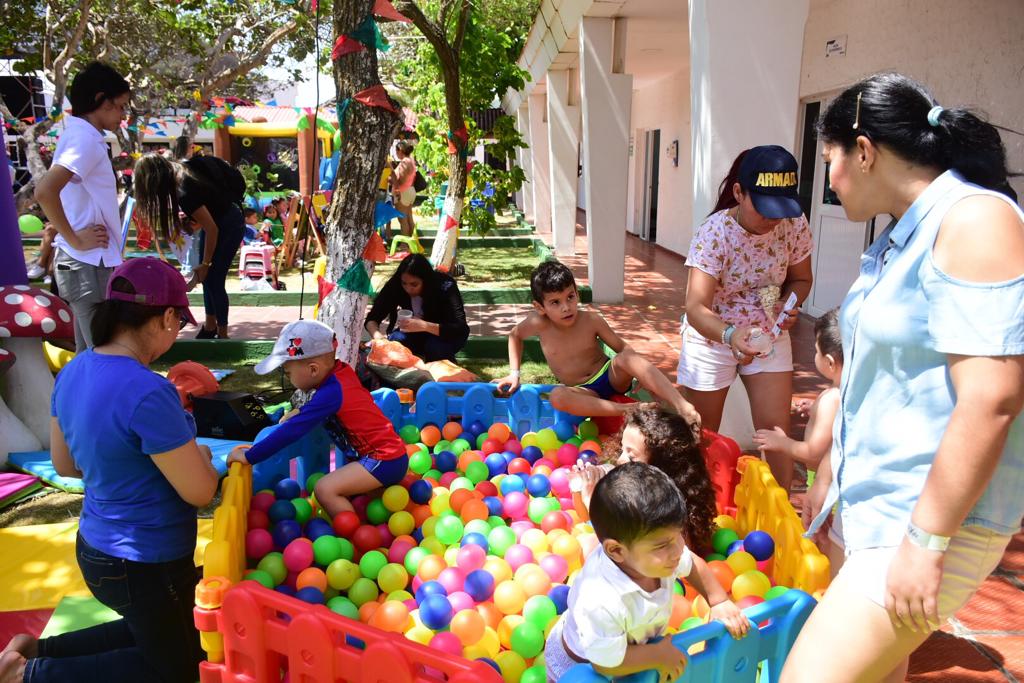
201, 189
431, 319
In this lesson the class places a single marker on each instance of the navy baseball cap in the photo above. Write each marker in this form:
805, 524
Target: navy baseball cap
769, 174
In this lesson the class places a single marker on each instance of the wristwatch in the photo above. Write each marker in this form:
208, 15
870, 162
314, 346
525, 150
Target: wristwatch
923, 539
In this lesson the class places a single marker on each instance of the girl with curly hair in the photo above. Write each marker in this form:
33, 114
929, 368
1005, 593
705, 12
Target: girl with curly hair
664, 440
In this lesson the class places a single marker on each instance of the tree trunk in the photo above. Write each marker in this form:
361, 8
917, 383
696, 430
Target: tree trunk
367, 135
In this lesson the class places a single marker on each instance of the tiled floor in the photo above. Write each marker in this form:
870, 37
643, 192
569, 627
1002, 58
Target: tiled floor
983, 642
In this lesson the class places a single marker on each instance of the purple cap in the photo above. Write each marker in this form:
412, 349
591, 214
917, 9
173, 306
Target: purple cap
155, 282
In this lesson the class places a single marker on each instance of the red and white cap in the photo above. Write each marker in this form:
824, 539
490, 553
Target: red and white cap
32, 312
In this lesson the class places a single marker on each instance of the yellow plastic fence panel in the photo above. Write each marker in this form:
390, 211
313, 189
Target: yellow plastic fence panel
762, 504
225, 555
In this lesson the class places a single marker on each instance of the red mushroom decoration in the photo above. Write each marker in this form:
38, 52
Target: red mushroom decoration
28, 315
14, 435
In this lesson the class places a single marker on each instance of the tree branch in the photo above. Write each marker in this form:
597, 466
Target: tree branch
460, 29
59, 73
256, 59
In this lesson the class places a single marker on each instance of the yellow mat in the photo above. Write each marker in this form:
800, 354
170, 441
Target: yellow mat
38, 564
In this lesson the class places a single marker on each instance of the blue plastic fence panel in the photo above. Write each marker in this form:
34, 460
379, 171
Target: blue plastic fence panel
312, 453
388, 402
725, 660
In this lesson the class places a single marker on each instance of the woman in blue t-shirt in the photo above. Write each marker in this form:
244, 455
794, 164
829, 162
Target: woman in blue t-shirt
121, 428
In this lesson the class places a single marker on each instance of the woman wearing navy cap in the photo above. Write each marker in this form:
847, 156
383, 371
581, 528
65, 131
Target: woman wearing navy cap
746, 259
120, 427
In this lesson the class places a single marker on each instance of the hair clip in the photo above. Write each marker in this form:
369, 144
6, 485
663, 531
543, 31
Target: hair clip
856, 119
933, 116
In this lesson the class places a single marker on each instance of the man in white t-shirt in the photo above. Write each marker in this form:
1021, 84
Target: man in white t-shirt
79, 194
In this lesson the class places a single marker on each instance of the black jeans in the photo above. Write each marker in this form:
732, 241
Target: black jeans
230, 228
154, 640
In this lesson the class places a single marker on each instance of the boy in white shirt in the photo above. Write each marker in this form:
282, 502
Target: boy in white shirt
622, 598
79, 194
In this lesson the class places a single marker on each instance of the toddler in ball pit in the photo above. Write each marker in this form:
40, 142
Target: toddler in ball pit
621, 601
660, 438
372, 453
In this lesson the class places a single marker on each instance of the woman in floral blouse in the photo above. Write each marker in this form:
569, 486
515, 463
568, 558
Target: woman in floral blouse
745, 261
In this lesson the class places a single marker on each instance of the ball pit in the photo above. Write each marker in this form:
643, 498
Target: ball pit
471, 554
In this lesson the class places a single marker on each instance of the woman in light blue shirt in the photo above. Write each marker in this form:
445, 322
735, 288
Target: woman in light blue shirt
928, 445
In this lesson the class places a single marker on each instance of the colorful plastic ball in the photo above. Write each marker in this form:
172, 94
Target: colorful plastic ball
287, 489
326, 549
559, 596
775, 591
564, 430
527, 640
452, 578
260, 577
740, 562
262, 501
547, 439
759, 544
519, 466
556, 519
366, 538
409, 433
430, 435
395, 498
692, 622
477, 472
734, 547
446, 642
435, 612
535, 674
273, 564
516, 503
298, 555
512, 666
538, 485
569, 548
500, 539
449, 529
588, 430
468, 626
499, 431
723, 572
750, 582
479, 584
371, 563
471, 557
281, 510
303, 510
362, 591
392, 577
318, 527
555, 567
475, 538
258, 542
749, 601
413, 558
496, 464
310, 594
446, 461
343, 606
420, 462
311, 576
722, 539
567, 455
341, 574
257, 519
459, 446
401, 523
346, 523
451, 430
491, 446
428, 588
711, 557
517, 555
537, 508
539, 610
509, 597
392, 616
533, 580
420, 491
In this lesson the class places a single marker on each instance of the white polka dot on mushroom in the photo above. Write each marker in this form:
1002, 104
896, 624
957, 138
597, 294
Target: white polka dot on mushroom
64, 316
4, 332
42, 300
22, 319
22, 288
13, 299
48, 325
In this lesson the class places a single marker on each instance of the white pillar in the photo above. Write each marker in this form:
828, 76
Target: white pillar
541, 177
563, 136
606, 98
761, 43
525, 155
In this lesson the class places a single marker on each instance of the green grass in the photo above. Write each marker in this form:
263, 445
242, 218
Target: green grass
486, 268
531, 372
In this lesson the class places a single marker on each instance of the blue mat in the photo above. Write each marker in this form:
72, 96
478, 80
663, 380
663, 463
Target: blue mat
38, 463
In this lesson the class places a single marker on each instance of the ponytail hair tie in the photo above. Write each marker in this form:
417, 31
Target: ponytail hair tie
933, 116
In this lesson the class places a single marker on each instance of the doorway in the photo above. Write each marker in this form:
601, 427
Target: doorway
838, 242
649, 205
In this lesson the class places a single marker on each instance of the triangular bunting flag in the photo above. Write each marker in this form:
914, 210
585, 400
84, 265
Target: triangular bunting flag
356, 279
324, 287
302, 123
369, 34
375, 249
342, 110
384, 213
450, 223
345, 45
384, 8
375, 96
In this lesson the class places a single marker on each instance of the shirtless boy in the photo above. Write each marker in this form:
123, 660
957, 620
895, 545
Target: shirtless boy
571, 342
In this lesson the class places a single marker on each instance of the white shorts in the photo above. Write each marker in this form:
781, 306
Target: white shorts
709, 365
974, 552
407, 196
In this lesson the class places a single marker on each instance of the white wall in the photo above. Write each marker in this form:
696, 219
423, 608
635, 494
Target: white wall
664, 105
967, 53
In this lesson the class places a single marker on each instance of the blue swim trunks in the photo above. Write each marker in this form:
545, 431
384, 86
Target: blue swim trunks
601, 383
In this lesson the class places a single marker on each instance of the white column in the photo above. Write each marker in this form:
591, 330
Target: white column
541, 177
563, 137
606, 98
525, 155
761, 44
